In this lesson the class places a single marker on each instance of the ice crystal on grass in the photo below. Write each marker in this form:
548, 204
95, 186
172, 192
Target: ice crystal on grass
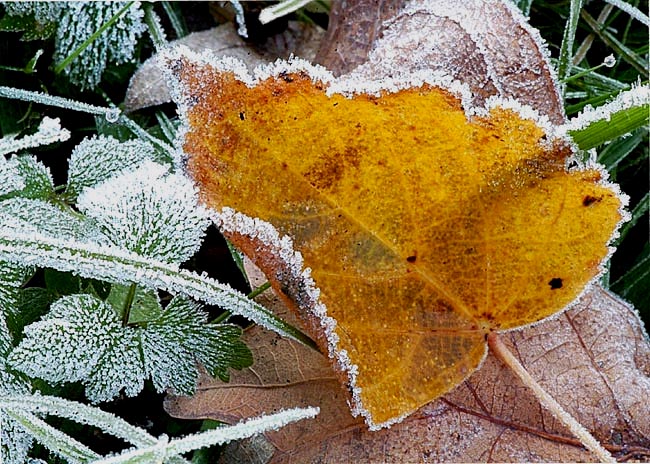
76, 22
148, 211
83, 339
112, 155
49, 131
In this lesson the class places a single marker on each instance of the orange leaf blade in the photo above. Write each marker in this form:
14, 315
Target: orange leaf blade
423, 230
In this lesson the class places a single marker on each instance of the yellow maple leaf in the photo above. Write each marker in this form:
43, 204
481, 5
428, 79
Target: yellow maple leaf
425, 229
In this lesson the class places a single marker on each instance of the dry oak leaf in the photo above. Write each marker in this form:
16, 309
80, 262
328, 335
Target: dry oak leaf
594, 358
426, 223
486, 44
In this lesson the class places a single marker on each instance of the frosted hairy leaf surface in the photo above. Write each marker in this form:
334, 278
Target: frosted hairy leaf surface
82, 339
36, 178
10, 179
69, 341
182, 330
44, 12
14, 442
112, 155
23, 215
148, 211
76, 22
12, 277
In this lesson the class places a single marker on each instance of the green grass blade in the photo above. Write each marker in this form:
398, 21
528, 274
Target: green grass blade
566, 50
53, 439
614, 153
627, 112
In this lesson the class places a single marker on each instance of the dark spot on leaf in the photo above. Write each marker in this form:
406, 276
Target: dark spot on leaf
589, 200
329, 168
411, 259
555, 283
242, 115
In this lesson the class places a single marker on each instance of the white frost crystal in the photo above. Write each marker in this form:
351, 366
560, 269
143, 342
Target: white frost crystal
148, 211
10, 178
108, 153
49, 131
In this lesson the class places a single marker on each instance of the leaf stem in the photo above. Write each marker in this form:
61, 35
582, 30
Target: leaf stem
77, 51
505, 355
128, 302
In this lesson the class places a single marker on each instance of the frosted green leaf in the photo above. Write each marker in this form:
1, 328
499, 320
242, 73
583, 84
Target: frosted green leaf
203, 339
10, 178
67, 344
120, 367
14, 442
82, 339
76, 22
36, 178
24, 215
12, 277
173, 343
108, 153
148, 211
44, 12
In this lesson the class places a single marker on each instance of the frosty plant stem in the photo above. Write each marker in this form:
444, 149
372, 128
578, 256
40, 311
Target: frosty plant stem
505, 355
128, 302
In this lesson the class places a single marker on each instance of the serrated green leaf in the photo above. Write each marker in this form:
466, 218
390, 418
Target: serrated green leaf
37, 179
121, 367
82, 339
148, 211
99, 158
67, 343
183, 325
96, 260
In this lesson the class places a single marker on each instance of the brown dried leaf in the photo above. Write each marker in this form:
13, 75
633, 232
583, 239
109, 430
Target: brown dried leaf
594, 359
486, 44
148, 88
